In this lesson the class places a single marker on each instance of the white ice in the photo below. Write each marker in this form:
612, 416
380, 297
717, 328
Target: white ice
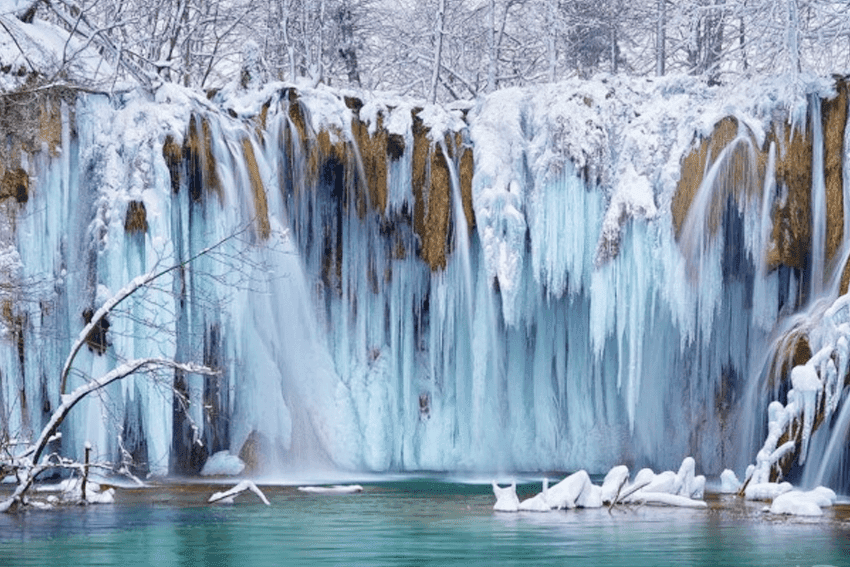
223, 464
729, 483
335, 489
228, 496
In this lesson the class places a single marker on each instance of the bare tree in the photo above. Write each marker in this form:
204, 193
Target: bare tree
439, 32
27, 463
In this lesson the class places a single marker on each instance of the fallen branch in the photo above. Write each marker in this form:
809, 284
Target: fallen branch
228, 495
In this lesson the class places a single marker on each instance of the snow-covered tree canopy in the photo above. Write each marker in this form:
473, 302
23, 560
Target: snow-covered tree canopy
455, 49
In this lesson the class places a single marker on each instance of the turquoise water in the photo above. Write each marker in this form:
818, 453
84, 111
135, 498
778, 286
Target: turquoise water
406, 523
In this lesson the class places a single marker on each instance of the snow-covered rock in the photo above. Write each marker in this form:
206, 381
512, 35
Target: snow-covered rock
506, 498
666, 499
668, 488
537, 503
729, 483
223, 464
613, 483
591, 497
766, 490
567, 492
577, 491
799, 503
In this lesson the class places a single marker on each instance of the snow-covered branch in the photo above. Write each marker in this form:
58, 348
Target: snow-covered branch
122, 294
29, 466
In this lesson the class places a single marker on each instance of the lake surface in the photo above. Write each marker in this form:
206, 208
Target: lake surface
409, 522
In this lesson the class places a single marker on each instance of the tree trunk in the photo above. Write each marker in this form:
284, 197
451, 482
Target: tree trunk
348, 51
792, 26
491, 40
438, 50
660, 38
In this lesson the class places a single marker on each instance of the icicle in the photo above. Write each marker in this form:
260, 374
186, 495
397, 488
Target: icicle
818, 263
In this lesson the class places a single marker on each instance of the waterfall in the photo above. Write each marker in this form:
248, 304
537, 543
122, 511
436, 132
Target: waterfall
359, 321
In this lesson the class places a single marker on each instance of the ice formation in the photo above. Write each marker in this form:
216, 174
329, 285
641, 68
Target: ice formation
556, 278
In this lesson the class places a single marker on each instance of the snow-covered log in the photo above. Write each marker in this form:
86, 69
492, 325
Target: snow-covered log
227, 496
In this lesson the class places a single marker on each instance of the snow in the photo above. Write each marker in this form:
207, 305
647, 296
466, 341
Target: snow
537, 503
666, 499
567, 492
680, 489
506, 498
799, 503
223, 464
71, 492
766, 490
49, 52
729, 483
228, 496
613, 483
335, 489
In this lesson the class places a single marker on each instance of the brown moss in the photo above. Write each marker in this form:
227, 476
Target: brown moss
296, 115
421, 150
793, 350
466, 171
6, 311
395, 146
50, 125
136, 219
261, 208
834, 121
173, 155
197, 150
297, 129
845, 279
792, 218
399, 251
252, 450
96, 339
15, 185
694, 166
16, 323
262, 118
373, 153
802, 352
34, 119
353, 103
322, 149
437, 218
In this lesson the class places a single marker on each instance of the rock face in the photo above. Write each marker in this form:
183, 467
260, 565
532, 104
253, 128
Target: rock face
527, 283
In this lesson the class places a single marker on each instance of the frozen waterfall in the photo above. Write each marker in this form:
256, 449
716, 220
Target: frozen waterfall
578, 276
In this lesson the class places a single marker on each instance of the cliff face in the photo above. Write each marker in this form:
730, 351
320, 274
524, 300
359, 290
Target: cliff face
573, 277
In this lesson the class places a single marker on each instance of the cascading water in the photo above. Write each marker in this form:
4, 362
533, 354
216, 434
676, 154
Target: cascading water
388, 310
